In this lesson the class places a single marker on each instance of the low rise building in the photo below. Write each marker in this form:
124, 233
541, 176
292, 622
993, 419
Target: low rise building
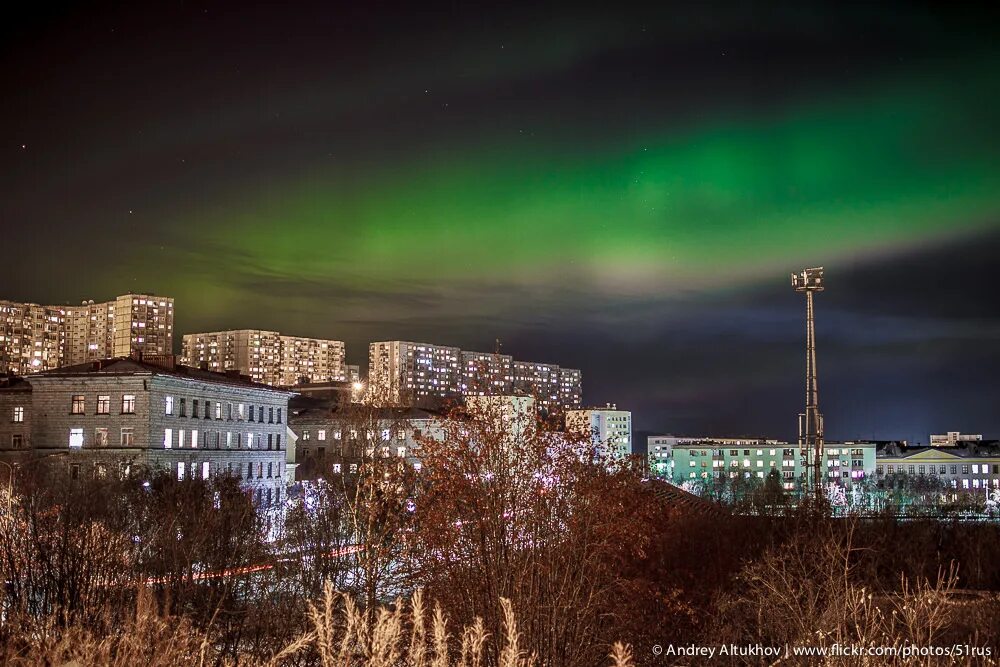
126, 412
333, 436
973, 466
846, 463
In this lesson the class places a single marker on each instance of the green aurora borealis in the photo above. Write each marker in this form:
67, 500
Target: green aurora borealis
627, 178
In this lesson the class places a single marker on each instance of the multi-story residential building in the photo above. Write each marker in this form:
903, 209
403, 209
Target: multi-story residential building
973, 466
35, 338
32, 337
400, 371
610, 428
538, 380
312, 360
953, 438
846, 463
126, 412
570, 387
267, 356
485, 374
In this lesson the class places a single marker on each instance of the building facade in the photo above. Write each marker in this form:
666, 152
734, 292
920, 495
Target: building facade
332, 437
126, 412
485, 374
401, 371
36, 338
952, 438
973, 466
267, 357
609, 427
684, 460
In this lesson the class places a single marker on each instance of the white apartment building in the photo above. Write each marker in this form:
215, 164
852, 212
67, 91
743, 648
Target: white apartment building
35, 338
610, 428
267, 357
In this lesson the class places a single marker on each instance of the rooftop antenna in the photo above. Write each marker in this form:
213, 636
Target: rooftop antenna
809, 281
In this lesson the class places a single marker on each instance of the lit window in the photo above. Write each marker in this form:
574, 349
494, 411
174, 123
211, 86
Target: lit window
180, 438
169, 405
180, 470
168, 438
77, 405
194, 438
104, 405
128, 404
321, 434
75, 438
206, 469
18, 416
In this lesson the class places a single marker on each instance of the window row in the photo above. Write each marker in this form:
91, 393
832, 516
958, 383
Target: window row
78, 404
253, 470
102, 437
932, 469
206, 409
386, 434
214, 439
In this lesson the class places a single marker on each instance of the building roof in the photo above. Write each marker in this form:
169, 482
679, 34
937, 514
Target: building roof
976, 449
163, 365
683, 500
307, 407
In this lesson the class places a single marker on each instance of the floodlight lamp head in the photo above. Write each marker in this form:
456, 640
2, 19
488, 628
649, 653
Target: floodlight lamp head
808, 280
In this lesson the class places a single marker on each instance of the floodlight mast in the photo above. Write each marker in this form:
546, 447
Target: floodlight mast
811, 421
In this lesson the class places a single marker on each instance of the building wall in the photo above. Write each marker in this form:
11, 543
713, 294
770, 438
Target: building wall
253, 450
15, 415
959, 472
845, 463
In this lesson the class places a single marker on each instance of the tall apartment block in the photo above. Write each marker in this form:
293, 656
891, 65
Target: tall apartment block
485, 374
609, 428
398, 370
267, 356
548, 383
35, 338
402, 370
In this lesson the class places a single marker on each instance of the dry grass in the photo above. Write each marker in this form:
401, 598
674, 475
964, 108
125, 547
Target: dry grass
338, 635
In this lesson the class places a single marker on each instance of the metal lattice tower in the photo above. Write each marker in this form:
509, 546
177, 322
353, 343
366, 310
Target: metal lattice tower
811, 421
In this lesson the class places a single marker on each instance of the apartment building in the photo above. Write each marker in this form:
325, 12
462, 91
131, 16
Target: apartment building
115, 415
485, 374
267, 357
401, 371
32, 337
35, 338
687, 461
609, 428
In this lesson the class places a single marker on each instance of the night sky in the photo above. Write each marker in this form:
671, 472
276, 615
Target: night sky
621, 190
